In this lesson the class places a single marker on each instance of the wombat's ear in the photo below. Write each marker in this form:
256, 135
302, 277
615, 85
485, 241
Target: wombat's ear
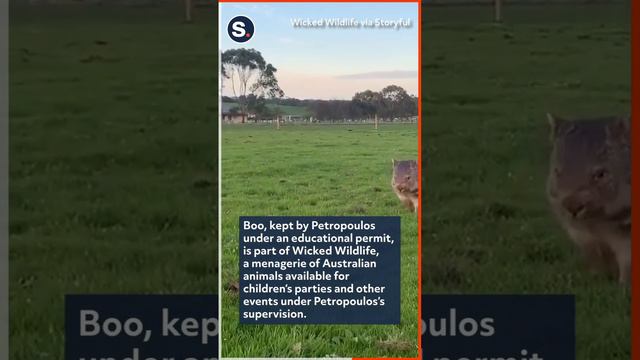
558, 126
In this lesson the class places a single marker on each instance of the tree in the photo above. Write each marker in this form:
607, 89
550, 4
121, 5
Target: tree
267, 87
392, 97
267, 84
223, 75
397, 102
258, 106
369, 103
250, 74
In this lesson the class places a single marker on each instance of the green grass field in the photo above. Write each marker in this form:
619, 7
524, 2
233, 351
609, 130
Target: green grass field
113, 162
321, 170
487, 227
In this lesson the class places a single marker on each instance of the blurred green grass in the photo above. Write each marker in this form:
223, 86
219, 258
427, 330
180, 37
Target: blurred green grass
112, 161
487, 226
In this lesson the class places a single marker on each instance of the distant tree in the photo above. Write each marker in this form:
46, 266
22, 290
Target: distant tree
223, 75
412, 106
258, 105
391, 102
249, 74
321, 110
368, 103
397, 102
267, 86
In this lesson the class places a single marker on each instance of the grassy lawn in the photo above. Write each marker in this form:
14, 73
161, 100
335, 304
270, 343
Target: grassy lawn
487, 227
316, 170
113, 161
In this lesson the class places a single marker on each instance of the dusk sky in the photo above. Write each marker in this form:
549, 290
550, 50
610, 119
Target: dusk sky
330, 63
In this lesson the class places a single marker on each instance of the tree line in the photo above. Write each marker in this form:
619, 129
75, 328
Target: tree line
390, 103
256, 90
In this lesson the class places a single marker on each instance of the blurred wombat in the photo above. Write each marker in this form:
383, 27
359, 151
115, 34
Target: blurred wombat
589, 188
405, 182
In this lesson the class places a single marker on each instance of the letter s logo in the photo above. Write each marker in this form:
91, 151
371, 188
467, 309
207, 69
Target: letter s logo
240, 29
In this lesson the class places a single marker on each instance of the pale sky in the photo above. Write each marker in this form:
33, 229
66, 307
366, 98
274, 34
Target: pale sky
330, 63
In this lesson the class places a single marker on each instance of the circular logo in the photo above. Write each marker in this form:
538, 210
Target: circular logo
240, 29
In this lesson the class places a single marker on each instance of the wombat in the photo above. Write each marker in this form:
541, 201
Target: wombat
405, 182
589, 188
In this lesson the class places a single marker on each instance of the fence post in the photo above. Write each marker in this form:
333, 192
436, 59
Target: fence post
497, 10
188, 6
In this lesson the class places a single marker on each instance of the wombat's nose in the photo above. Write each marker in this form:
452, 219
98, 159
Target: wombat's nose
574, 206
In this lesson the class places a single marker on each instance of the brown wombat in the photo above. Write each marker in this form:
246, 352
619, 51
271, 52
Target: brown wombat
589, 188
405, 182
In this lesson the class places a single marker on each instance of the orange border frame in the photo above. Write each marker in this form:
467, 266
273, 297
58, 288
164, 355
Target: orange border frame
419, 357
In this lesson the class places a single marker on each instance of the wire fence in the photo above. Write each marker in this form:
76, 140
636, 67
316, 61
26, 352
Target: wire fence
307, 121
